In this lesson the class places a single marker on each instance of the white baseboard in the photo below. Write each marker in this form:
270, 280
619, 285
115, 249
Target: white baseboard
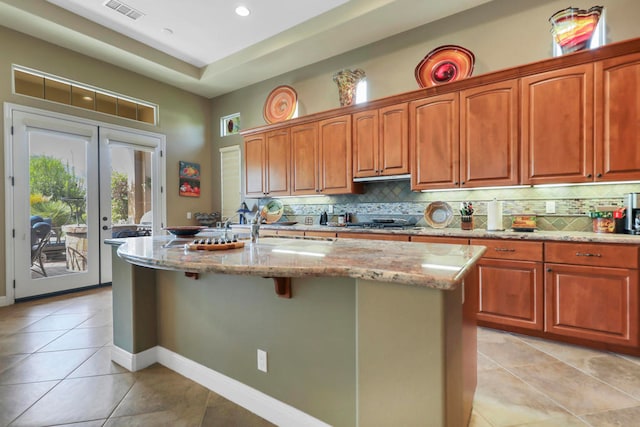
134, 362
4, 301
241, 394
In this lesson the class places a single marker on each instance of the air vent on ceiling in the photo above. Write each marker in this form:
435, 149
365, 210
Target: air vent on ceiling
124, 9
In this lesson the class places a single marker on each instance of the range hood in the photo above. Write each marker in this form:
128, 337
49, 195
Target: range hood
383, 178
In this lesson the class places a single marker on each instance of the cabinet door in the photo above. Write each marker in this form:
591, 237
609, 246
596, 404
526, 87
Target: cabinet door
393, 153
278, 153
511, 293
434, 142
365, 144
618, 118
304, 156
335, 155
254, 165
557, 126
489, 135
594, 303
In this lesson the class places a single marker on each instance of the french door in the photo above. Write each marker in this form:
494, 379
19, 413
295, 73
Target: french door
74, 183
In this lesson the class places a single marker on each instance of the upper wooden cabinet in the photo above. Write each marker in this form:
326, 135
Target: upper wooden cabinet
434, 142
468, 139
267, 163
617, 118
489, 135
304, 159
381, 142
557, 126
334, 154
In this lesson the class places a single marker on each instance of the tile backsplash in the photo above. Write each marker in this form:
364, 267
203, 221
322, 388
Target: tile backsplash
394, 199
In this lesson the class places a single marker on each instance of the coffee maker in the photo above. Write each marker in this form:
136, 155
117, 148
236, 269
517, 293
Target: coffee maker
632, 218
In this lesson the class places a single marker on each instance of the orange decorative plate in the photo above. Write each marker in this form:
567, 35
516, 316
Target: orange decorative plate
444, 64
280, 104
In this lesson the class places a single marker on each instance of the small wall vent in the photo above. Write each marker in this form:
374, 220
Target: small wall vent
124, 9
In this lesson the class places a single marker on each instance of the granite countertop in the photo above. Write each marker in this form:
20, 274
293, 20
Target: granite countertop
437, 266
478, 233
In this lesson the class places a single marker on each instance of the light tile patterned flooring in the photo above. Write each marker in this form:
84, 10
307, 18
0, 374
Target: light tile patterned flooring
55, 369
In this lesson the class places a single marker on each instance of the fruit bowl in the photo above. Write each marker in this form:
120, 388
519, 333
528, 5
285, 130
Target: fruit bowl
185, 230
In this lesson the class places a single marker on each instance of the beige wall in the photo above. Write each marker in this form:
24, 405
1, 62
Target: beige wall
501, 34
184, 117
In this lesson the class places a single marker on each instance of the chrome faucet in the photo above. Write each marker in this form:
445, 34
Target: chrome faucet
255, 227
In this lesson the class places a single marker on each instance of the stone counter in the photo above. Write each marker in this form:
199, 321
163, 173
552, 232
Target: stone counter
419, 264
478, 233
372, 334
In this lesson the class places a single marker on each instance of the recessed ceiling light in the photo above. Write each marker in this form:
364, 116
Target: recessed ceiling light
242, 11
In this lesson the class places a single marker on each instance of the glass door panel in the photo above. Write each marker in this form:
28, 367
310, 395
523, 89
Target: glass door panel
56, 245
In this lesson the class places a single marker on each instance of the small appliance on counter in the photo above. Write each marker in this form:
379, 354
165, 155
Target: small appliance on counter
632, 218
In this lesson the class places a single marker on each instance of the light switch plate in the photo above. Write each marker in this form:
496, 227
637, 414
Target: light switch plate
550, 207
262, 360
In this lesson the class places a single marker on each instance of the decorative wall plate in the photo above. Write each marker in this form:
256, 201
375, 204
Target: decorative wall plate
444, 64
438, 214
272, 211
280, 104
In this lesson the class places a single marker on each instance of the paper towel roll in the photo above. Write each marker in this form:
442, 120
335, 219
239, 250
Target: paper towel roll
494, 216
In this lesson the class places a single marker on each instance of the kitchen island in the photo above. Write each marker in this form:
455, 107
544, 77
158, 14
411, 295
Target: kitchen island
356, 333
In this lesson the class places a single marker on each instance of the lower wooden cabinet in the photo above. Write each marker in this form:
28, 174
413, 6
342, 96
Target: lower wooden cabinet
510, 293
594, 303
510, 284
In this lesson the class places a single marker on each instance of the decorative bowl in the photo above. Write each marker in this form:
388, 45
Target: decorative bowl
444, 64
185, 230
272, 211
572, 27
280, 104
438, 214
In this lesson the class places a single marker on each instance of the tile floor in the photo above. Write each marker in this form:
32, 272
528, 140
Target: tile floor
55, 369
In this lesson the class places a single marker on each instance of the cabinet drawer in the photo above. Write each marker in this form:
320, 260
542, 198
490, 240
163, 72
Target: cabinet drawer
510, 249
437, 239
595, 254
373, 236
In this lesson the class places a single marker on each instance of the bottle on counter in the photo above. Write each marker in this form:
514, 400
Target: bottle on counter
323, 218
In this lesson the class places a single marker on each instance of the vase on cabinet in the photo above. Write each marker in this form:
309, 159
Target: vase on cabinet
347, 81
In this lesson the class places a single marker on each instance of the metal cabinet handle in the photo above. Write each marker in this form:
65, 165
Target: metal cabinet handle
504, 250
549, 270
587, 254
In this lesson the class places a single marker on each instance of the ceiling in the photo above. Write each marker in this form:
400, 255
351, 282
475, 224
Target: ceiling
203, 47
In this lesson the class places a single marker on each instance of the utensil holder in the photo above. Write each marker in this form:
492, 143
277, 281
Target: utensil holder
466, 222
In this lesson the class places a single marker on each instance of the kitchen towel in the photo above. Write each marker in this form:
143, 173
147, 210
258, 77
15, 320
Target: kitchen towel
494, 216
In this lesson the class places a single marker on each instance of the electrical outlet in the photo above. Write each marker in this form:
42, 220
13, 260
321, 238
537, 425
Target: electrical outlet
551, 207
188, 215
308, 220
330, 209
262, 360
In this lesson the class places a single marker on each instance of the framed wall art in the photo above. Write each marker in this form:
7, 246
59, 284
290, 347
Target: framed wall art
189, 179
230, 125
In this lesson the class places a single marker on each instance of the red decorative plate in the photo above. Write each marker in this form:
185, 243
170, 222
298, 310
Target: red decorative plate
444, 64
280, 104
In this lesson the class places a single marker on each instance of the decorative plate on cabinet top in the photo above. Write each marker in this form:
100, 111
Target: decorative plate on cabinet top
280, 104
272, 211
444, 64
438, 214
